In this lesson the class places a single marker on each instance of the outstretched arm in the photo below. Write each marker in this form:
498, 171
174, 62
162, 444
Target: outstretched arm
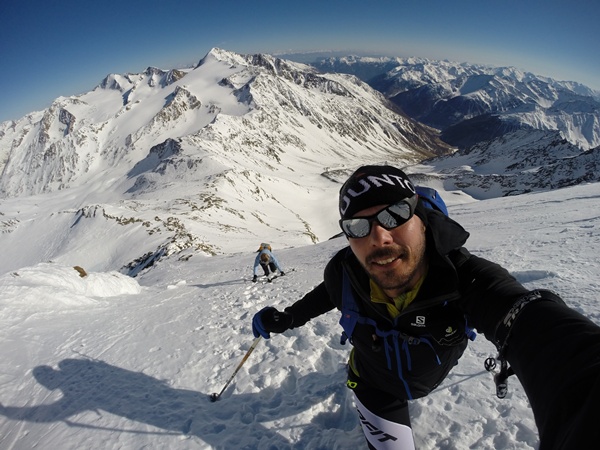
270, 320
312, 305
553, 350
555, 353
59, 410
488, 290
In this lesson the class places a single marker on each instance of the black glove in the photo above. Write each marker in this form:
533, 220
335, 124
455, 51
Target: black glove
254, 278
269, 320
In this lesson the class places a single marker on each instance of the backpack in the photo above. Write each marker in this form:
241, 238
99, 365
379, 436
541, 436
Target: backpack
264, 246
432, 199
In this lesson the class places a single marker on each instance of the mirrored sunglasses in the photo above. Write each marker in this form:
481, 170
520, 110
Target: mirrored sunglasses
389, 218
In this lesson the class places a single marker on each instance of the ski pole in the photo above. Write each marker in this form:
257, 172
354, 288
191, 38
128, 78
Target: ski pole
214, 397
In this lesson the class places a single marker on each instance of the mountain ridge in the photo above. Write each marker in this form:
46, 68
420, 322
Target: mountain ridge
225, 142
444, 94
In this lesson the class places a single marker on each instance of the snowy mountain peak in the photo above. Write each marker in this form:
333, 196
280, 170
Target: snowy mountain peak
152, 76
220, 143
223, 56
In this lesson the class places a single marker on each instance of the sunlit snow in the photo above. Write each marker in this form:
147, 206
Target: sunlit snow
110, 361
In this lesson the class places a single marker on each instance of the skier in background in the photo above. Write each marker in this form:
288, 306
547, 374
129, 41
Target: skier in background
409, 293
266, 260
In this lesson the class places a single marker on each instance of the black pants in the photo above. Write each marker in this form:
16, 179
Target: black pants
266, 268
381, 405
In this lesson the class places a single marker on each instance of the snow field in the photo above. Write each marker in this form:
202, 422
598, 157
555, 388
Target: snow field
109, 361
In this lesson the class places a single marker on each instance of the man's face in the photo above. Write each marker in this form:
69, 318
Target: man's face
394, 259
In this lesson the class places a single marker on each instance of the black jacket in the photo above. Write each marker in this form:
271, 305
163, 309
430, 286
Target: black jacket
432, 328
553, 350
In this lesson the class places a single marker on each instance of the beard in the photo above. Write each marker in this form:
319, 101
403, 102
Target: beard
406, 267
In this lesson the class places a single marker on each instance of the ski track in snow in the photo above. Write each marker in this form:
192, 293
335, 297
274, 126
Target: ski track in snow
87, 366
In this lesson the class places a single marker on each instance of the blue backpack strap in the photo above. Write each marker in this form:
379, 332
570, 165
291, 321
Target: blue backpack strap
432, 199
350, 313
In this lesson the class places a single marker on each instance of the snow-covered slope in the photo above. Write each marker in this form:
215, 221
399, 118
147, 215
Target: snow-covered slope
108, 361
519, 162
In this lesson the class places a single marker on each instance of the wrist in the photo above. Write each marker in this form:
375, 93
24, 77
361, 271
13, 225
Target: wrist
504, 328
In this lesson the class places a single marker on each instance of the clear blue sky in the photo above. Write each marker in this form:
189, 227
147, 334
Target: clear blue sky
61, 48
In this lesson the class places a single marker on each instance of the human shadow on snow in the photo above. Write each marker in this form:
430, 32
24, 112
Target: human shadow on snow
93, 385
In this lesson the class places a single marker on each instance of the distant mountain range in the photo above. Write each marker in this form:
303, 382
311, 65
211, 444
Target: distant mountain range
516, 132
248, 148
474, 103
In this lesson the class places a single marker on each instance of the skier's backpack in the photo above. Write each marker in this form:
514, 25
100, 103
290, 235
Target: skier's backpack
264, 246
432, 199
